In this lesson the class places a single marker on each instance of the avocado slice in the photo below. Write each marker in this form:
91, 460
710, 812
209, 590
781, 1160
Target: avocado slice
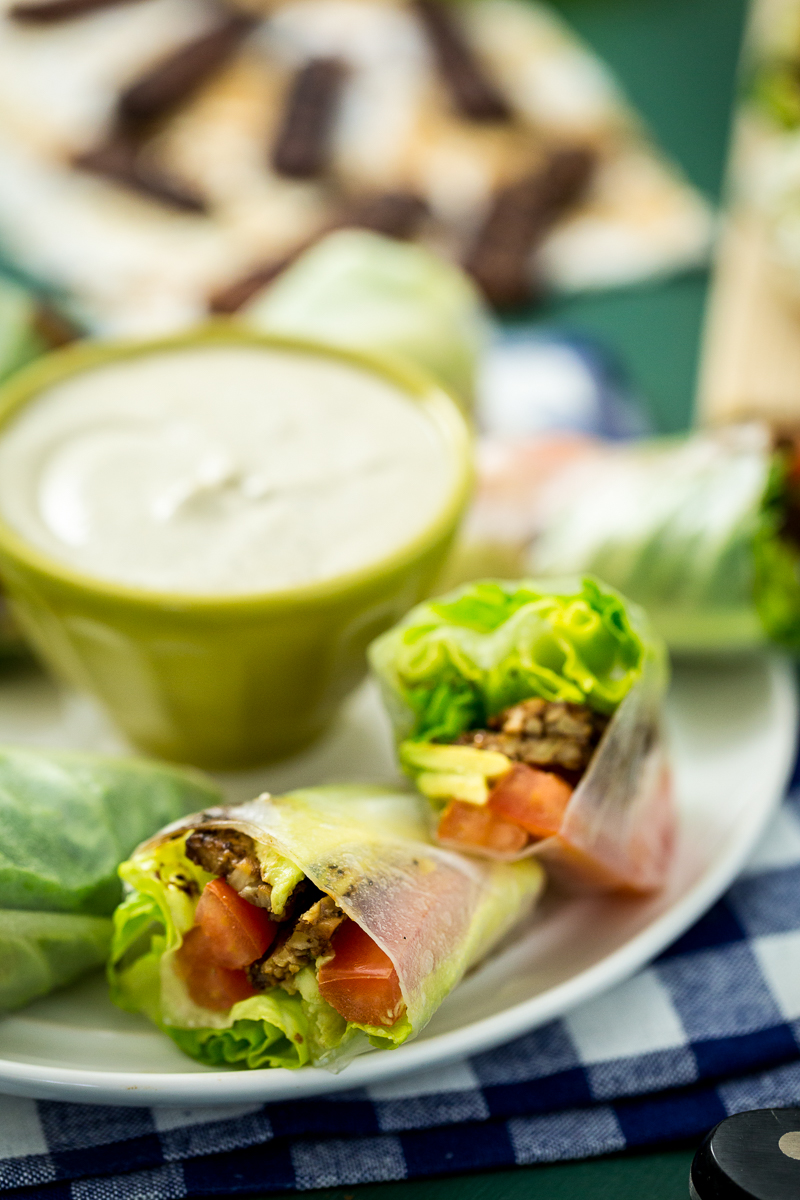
438, 785
454, 760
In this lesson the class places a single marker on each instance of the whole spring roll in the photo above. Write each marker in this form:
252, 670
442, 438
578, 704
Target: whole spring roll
304, 928
702, 531
529, 716
67, 821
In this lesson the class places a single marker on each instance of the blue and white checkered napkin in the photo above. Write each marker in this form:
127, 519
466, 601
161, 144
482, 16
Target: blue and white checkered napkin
711, 1028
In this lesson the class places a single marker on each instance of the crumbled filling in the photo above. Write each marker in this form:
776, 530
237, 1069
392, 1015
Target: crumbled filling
303, 944
542, 733
302, 938
230, 855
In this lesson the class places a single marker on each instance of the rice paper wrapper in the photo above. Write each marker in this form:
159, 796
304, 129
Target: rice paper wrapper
66, 822
618, 832
42, 951
69, 819
619, 826
435, 913
671, 523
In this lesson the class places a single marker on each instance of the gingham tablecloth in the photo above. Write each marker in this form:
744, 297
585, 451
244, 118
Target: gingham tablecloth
711, 1028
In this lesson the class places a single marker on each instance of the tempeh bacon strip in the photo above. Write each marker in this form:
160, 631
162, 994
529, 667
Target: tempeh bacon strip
120, 160
181, 73
155, 95
474, 94
520, 217
303, 145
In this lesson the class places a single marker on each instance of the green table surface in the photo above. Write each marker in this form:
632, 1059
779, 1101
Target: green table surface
677, 59
662, 1176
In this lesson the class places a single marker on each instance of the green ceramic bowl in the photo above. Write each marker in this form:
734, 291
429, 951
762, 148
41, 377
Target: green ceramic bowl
222, 682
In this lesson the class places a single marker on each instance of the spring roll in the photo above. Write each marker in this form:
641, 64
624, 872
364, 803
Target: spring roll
67, 821
702, 531
529, 716
305, 928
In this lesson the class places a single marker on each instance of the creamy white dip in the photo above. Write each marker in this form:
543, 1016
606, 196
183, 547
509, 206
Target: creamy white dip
222, 470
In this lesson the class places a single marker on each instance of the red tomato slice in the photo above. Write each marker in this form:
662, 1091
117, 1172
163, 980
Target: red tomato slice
476, 826
238, 933
360, 981
534, 799
209, 984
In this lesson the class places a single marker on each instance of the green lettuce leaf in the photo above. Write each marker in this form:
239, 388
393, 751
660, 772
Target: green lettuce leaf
247, 1043
68, 820
279, 1030
366, 292
273, 1029
42, 951
366, 847
776, 583
452, 663
272, 1033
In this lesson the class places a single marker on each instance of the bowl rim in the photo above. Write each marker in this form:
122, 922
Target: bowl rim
441, 407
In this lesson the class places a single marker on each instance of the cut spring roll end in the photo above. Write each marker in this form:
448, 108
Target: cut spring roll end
304, 928
529, 716
702, 530
776, 550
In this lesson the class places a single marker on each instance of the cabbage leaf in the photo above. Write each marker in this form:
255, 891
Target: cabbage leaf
367, 292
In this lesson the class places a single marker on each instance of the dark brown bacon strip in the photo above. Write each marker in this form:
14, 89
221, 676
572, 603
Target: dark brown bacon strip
120, 160
302, 147
178, 76
520, 217
395, 214
50, 12
474, 94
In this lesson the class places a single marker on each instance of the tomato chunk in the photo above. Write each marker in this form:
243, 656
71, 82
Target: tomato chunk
360, 981
209, 984
477, 826
534, 799
238, 933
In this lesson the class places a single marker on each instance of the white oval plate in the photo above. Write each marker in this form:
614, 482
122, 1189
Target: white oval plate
732, 728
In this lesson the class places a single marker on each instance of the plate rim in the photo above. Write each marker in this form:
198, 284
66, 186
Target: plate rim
215, 1088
